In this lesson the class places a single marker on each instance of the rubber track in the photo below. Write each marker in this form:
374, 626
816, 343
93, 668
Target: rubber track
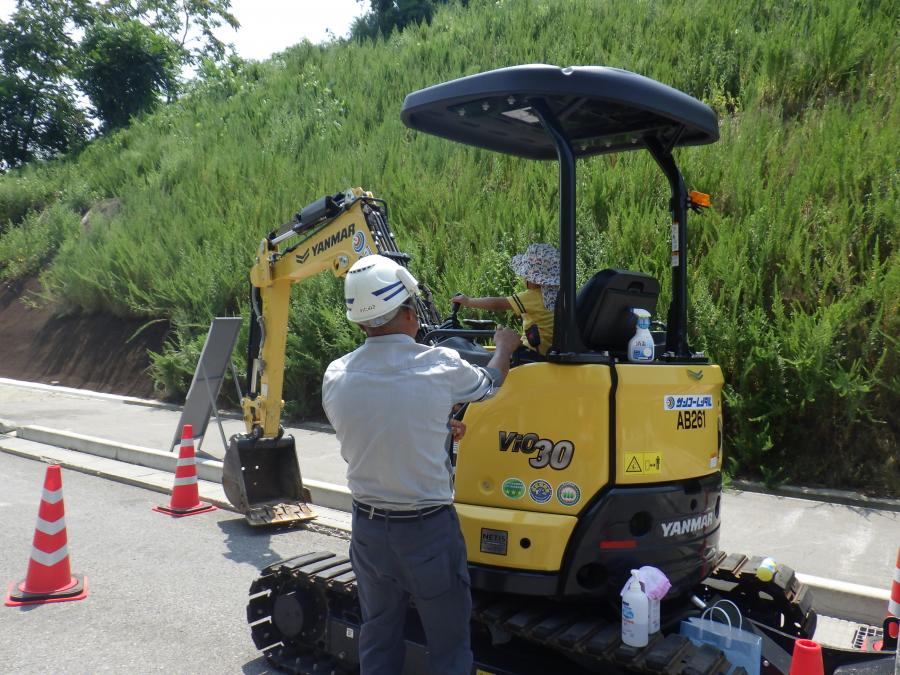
327, 588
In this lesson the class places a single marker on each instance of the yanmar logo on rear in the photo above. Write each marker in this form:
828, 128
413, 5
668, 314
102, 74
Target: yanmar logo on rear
688, 525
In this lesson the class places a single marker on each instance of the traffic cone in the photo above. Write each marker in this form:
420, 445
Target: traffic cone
49, 578
185, 495
891, 630
807, 659
894, 602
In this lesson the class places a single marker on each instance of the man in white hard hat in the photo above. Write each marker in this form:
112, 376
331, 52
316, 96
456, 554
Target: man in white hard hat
389, 402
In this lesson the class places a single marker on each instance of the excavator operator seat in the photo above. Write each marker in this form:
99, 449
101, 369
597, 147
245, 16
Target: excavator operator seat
603, 303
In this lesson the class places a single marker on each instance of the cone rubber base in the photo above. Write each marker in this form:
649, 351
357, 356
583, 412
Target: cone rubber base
16, 597
202, 507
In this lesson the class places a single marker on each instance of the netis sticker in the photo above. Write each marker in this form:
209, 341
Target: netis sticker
494, 541
683, 402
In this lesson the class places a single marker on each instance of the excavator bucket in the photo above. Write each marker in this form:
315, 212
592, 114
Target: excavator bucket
261, 477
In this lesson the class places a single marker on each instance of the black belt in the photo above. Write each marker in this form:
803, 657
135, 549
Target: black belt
372, 513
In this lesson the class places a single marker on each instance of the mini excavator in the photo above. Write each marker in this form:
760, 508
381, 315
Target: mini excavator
583, 466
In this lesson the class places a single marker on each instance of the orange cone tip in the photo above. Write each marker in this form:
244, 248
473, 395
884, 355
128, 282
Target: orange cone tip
807, 659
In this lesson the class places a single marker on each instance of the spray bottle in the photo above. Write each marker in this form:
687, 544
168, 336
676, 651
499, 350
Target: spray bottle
635, 614
640, 346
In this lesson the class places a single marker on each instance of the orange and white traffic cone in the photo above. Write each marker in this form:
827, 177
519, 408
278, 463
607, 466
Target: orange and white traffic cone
807, 658
49, 577
185, 495
892, 622
891, 630
894, 602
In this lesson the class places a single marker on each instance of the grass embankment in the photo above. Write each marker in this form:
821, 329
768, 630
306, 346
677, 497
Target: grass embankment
795, 277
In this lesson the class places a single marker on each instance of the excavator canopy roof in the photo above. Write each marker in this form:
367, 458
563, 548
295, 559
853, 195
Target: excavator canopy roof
600, 110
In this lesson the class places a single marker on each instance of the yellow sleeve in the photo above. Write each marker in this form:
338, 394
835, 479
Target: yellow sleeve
516, 304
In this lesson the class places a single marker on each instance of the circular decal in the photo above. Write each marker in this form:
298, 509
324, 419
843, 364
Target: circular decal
670, 402
541, 491
513, 488
359, 241
568, 494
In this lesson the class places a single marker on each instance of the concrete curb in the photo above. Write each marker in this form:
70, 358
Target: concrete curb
85, 393
854, 602
207, 469
324, 494
333, 496
820, 494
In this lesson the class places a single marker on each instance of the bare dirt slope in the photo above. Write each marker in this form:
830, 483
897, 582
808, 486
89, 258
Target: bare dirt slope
98, 352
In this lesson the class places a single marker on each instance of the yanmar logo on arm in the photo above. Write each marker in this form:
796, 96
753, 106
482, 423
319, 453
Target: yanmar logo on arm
688, 525
328, 242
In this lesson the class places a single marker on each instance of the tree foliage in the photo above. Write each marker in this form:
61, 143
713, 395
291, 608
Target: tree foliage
127, 67
189, 24
386, 16
123, 55
39, 114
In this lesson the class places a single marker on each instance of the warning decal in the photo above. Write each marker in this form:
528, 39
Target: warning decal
643, 462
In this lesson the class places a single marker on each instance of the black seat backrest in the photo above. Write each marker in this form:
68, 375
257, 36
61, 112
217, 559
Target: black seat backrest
603, 304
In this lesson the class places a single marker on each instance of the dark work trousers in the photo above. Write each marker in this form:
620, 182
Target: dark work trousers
423, 559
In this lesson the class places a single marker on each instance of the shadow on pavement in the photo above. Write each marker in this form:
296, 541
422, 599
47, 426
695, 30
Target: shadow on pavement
247, 544
258, 666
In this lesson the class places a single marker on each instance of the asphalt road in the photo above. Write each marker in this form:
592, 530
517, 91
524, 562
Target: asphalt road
165, 595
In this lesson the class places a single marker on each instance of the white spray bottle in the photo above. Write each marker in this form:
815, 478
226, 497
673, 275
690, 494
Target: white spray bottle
635, 614
640, 346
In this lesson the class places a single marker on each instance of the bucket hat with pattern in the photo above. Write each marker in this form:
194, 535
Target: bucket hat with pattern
540, 265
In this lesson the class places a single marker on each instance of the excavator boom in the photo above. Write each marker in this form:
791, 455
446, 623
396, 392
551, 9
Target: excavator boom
261, 473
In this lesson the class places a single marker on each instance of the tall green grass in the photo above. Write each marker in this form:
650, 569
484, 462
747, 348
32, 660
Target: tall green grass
794, 272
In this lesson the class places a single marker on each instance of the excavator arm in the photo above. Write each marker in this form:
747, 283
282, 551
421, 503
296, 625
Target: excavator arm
261, 474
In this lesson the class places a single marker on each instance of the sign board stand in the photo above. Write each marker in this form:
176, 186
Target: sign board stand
207, 382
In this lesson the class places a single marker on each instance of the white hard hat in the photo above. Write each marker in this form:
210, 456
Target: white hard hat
375, 287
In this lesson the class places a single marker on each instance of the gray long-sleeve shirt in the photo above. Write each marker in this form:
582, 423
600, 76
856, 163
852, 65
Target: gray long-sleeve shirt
389, 402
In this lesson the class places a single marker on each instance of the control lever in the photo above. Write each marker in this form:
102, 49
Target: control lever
454, 316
